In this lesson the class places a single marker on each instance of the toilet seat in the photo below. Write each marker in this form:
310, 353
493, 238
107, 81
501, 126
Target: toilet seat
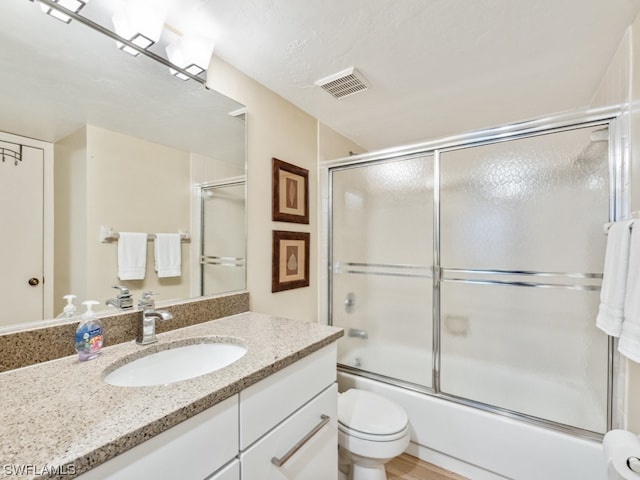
365, 415
372, 437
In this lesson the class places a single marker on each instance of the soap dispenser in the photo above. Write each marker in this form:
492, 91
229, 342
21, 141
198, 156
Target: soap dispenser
89, 336
69, 309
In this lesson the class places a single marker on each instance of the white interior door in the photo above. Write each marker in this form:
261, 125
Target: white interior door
22, 240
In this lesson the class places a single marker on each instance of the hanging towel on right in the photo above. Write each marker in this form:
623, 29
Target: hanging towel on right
167, 254
629, 344
614, 279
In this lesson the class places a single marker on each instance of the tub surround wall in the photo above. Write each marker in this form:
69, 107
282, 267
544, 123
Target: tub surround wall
633, 414
36, 345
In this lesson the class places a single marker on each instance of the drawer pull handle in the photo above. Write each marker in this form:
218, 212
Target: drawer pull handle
278, 462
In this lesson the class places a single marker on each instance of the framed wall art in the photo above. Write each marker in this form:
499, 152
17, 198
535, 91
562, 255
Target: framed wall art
290, 192
290, 267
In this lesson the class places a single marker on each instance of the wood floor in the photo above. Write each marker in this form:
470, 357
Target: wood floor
406, 467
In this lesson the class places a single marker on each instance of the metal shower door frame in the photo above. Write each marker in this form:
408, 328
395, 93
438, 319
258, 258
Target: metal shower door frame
614, 118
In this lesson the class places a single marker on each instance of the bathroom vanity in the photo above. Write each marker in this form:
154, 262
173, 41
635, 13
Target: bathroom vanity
270, 414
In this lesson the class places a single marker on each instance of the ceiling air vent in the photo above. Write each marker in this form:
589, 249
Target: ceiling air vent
343, 83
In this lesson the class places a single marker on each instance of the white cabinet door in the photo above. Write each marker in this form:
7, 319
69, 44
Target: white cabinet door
268, 402
229, 472
193, 449
21, 255
317, 439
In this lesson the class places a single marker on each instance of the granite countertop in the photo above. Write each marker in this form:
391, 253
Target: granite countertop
62, 414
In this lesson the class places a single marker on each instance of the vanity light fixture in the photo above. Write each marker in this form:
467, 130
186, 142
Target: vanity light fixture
73, 5
140, 22
191, 53
138, 25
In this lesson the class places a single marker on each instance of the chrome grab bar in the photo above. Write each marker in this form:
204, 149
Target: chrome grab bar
391, 270
447, 275
278, 462
591, 288
223, 261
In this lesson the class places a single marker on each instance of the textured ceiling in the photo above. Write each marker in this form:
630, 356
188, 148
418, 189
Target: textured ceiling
435, 67
55, 78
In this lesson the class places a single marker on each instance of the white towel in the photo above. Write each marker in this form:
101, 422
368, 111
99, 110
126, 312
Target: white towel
611, 311
167, 254
629, 344
132, 255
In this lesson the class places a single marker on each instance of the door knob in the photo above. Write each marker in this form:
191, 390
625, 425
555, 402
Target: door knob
33, 281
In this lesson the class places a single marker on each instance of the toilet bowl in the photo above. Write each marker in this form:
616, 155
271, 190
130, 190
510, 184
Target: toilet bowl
372, 430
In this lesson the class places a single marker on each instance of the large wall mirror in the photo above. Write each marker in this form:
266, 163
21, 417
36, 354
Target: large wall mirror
131, 148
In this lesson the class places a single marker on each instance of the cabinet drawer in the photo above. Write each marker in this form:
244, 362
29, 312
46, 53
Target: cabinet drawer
268, 402
315, 459
229, 472
194, 448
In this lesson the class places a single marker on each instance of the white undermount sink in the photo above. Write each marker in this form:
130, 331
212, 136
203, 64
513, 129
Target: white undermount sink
177, 363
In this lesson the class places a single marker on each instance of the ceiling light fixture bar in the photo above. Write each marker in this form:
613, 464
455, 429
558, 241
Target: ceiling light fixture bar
114, 36
73, 5
192, 52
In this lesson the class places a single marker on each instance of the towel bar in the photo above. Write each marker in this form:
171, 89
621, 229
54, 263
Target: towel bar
107, 235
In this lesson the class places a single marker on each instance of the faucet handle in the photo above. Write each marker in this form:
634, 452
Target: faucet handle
124, 291
147, 300
124, 299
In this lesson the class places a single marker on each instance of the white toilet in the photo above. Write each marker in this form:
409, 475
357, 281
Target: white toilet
371, 431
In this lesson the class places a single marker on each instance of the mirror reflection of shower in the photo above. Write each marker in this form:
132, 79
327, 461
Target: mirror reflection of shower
223, 236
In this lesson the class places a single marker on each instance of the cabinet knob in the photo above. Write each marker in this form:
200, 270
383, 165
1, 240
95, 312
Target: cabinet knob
33, 281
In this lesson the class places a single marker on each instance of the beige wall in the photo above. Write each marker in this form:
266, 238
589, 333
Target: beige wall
127, 184
70, 213
276, 128
206, 169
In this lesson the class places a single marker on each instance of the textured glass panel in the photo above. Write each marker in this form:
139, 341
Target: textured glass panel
383, 213
532, 350
387, 322
382, 249
528, 204
221, 279
223, 239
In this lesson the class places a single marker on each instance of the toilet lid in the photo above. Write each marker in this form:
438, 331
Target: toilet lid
369, 413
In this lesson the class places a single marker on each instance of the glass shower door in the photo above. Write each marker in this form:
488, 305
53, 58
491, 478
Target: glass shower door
222, 259
382, 257
521, 248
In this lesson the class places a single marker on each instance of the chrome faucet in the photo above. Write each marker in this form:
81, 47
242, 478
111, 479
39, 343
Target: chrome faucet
356, 332
147, 326
123, 300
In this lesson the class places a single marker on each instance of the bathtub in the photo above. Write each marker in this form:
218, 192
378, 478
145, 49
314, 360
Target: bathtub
477, 444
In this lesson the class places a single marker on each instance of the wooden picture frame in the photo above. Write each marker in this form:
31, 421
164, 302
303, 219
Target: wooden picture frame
290, 192
290, 260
